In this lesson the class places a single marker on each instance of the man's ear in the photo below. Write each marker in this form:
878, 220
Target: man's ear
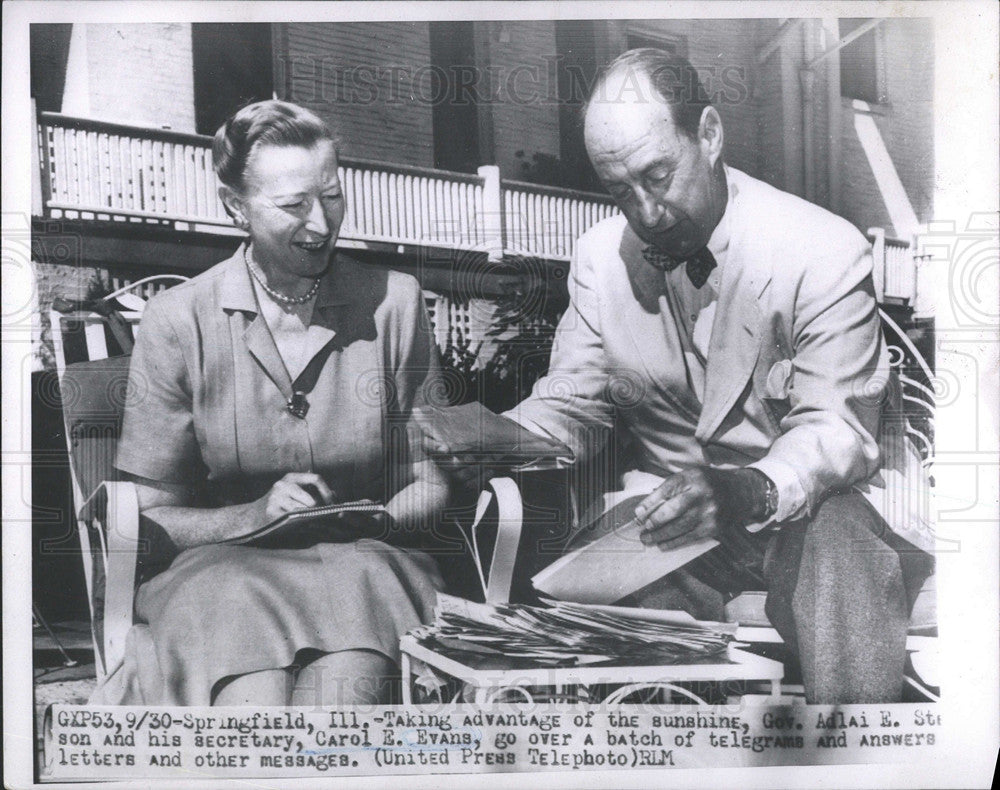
710, 134
235, 206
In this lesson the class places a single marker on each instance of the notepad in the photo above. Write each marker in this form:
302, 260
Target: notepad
339, 522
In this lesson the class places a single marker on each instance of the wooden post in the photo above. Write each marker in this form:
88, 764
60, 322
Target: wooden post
492, 212
37, 201
878, 261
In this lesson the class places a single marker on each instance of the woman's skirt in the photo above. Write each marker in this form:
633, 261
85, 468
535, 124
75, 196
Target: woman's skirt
223, 611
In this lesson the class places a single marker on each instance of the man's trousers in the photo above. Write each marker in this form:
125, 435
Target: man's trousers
840, 587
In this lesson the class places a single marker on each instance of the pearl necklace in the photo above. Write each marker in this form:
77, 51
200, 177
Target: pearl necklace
277, 295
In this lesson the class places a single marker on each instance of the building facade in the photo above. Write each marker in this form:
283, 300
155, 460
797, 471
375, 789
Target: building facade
473, 125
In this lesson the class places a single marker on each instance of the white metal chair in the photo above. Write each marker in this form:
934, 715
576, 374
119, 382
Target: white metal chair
91, 360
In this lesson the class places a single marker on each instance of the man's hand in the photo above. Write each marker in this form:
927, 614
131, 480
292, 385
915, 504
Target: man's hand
465, 470
702, 503
682, 510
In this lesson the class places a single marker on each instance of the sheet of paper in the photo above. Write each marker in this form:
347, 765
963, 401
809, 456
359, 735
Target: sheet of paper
612, 567
616, 564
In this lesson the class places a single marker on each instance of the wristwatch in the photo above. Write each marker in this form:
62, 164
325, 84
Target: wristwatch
745, 495
770, 498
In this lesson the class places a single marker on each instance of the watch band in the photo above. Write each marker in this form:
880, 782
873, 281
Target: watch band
771, 497
745, 495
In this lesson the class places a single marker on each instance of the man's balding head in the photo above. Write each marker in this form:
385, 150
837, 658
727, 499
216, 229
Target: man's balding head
656, 145
654, 75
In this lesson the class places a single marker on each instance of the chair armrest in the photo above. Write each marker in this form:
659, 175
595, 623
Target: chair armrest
510, 517
114, 511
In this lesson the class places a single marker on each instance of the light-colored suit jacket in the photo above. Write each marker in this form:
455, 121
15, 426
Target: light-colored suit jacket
796, 348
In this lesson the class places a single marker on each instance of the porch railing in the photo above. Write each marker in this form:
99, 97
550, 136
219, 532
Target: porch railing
411, 205
547, 221
103, 170
895, 269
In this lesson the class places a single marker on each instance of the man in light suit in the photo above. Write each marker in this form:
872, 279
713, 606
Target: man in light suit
731, 331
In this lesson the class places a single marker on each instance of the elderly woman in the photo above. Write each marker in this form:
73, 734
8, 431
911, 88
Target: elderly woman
282, 377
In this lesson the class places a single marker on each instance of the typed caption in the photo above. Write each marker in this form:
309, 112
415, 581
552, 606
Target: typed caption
84, 742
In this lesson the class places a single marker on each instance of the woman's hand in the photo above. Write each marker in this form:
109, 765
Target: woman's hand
293, 491
172, 508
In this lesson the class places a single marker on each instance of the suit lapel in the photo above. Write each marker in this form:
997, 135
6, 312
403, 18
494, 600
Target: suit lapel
736, 332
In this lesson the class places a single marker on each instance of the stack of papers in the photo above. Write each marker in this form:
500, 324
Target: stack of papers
569, 634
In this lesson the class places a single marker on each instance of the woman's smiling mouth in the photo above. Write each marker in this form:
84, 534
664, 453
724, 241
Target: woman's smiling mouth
312, 246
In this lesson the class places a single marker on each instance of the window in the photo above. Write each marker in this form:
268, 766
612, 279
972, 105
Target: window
860, 76
232, 67
577, 70
675, 46
454, 116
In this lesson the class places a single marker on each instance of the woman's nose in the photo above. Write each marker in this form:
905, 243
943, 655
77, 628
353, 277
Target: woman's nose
316, 222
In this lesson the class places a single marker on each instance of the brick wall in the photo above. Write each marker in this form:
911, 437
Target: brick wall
313, 60
906, 124
861, 203
767, 90
53, 281
369, 81
820, 129
525, 117
723, 52
910, 89
133, 73
724, 47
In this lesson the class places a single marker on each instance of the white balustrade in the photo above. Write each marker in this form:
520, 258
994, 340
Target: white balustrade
900, 271
895, 269
546, 221
105, 169
101, 170
411, 205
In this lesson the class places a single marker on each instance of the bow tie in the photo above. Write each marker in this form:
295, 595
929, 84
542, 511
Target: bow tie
699, 265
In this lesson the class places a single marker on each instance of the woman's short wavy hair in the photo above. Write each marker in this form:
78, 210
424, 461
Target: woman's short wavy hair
269, 122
